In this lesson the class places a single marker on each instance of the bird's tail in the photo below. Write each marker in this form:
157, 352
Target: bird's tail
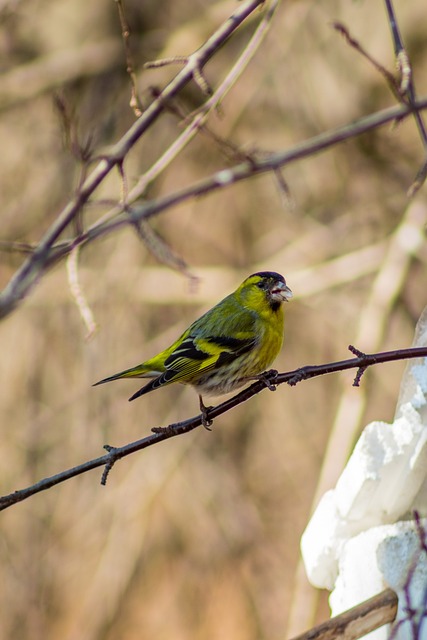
150, 386
139, 371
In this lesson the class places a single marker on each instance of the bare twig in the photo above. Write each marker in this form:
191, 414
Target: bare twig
199, 118
269, 379
78, 295
25, 277
407, 89
355, 44
239, 66
17, 247
135, 103
162, 251
420, 178
403, 88
256, 165
406, 85
32, 269
192, 62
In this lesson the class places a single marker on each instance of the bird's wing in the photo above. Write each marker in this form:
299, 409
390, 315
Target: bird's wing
198, 355
218, 337
195, 356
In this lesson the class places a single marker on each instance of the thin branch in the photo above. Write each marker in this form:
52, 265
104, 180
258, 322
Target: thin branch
355, 44
403, 89
268, 380
255, 166
47, 253
407, 89
10, 246
9, 297
135, 103
164, 253
78, 295
419, 180
32, 269
199, 118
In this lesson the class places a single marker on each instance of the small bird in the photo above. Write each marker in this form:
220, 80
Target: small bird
228, 346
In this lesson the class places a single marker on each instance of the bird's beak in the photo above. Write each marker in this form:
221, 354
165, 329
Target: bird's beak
281, 292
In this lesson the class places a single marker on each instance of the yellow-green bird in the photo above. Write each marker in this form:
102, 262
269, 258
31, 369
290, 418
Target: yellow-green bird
228, 346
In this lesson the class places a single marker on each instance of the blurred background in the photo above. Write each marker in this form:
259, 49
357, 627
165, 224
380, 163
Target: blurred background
197, 537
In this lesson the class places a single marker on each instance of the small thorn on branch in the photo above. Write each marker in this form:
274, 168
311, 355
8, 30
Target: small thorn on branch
356, 351
190, 61
358, 376
163, 62
110, 464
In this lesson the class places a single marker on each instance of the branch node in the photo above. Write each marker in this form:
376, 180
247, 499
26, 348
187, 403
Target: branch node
299, 375
168, 431
194, 65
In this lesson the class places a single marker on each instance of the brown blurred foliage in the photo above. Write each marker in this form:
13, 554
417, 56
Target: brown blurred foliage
197, 537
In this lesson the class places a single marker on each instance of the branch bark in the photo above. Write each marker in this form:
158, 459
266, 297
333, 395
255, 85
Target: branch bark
270, 380
358, 621
32, 269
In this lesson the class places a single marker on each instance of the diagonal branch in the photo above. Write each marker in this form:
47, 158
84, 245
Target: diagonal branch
32, 269
47, 253
225, 178
269, 380
255, 166
199, 117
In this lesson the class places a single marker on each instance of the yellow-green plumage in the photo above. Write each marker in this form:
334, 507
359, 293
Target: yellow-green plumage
230, 344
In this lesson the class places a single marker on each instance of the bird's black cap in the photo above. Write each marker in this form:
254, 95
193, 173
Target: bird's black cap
270, 274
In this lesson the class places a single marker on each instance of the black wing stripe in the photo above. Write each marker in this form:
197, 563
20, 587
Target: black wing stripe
235, 344
186, 350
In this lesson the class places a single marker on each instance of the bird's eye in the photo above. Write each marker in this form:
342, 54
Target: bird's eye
260, 284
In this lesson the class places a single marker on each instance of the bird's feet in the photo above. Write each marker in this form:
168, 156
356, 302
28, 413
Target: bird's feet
268, 378
206, 421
